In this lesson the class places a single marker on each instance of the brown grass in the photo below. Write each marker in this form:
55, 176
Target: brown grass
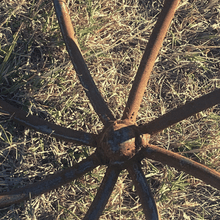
37, 75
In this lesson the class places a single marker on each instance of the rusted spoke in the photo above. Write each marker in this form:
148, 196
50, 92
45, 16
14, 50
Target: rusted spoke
148, 59
49, 183
80, 66
209, 176
143, 190
103, 194
45, 127
181, 113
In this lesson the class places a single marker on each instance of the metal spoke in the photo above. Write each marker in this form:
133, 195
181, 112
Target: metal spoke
80, 66
121, 144
46, 127
143, 190
49, 183
181, 113
209, 176
103, 194
148, 59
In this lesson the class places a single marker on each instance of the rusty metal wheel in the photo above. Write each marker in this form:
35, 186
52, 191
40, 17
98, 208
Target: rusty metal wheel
121, 144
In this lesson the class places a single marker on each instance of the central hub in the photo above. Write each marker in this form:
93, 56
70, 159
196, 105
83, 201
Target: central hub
121, 141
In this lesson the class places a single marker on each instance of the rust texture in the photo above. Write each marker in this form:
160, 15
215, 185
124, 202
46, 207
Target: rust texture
181, 113
121, 141
49, 183
143, 190
121, 144
148, 59
191, 167
103, 194
79, 64
46, 127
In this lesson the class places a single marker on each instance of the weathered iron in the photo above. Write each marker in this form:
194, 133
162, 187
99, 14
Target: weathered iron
103, 194
46, 127
122, 144
182, 112
120, 141
79, 64
206, 174
143, 190
148, 60
51, 182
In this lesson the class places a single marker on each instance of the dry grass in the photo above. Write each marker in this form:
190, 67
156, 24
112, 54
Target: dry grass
36, 75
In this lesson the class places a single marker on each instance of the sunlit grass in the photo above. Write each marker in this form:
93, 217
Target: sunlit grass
37, 76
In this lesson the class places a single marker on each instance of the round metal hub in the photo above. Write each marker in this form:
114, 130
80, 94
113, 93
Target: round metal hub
121, 141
